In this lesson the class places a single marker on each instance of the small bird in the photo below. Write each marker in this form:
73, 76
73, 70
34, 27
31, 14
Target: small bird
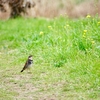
28, 63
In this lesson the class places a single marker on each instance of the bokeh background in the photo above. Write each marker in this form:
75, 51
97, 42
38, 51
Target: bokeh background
71, 8
52, 8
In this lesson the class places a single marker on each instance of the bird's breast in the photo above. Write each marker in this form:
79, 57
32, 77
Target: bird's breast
30, 62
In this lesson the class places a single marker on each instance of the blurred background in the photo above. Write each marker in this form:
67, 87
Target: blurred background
71, 8
54, 8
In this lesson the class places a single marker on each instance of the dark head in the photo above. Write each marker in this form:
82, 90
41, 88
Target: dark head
30, 57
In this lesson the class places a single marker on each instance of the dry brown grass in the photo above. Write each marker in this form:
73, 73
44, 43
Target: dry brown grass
4, 15
61, 7
88, 7
54, 8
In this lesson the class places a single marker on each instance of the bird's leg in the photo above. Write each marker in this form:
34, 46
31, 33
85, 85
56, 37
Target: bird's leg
29, 70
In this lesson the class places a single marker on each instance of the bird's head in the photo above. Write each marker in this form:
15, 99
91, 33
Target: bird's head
30, 57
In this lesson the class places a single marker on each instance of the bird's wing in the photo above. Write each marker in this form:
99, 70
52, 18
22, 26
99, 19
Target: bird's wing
25, 66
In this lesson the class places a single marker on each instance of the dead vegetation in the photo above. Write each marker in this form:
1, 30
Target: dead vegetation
69, 7
5, 11
12, 8
91, 7
44, 8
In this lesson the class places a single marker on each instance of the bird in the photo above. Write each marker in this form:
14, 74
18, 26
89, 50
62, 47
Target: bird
28, 63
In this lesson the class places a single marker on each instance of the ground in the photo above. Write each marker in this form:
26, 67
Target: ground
66, 55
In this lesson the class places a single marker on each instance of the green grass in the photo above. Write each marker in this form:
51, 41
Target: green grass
66, 59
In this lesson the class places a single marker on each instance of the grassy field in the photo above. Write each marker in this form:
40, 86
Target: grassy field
66, 57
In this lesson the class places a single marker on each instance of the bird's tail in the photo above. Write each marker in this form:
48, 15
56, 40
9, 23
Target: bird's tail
22, 70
